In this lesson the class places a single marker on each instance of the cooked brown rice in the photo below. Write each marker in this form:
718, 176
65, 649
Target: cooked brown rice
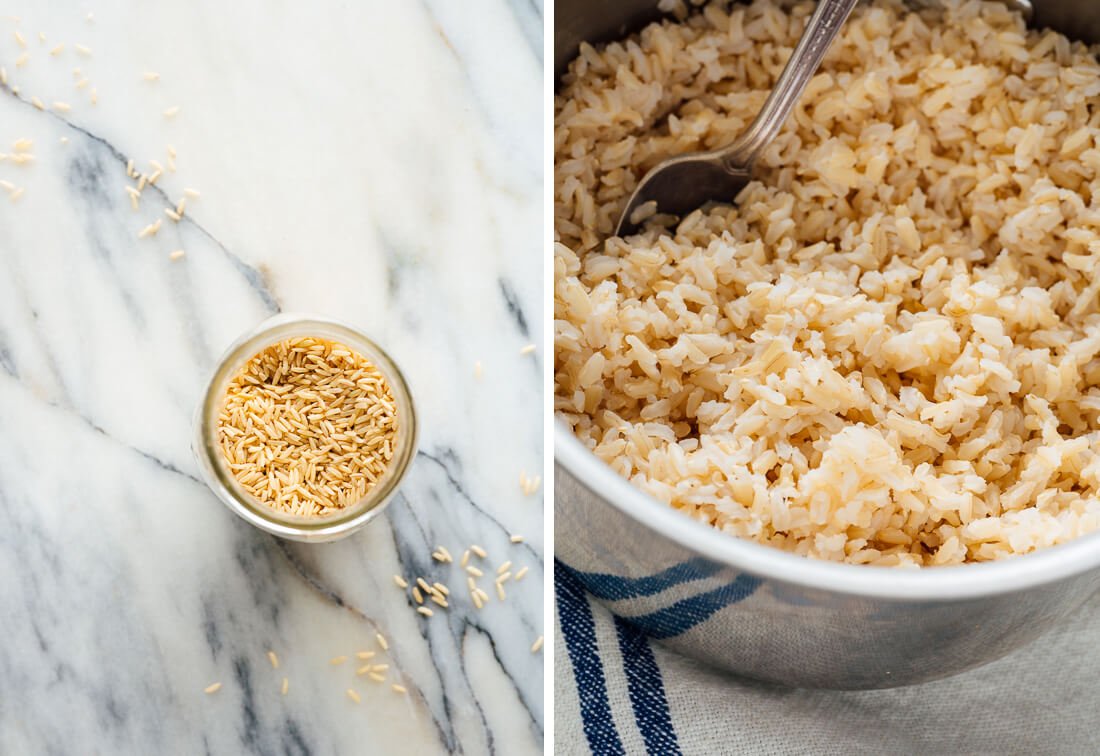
308, 426
889, 351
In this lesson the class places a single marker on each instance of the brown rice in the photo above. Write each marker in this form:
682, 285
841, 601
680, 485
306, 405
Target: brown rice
888, 351
308, 426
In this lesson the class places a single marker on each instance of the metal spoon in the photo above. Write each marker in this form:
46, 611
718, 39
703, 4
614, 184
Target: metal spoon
686, 182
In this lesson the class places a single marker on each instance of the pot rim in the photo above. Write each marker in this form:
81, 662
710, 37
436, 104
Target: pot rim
947, 583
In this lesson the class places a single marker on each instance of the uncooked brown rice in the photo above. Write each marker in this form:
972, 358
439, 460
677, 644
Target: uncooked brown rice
308, 426
888, 351
150, 230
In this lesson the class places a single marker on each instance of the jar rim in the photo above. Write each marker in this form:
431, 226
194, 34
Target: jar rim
220, 479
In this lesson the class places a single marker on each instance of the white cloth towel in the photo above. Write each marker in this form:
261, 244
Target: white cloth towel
617, 692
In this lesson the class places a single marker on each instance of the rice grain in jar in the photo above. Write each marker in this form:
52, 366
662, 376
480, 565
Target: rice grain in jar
306, 428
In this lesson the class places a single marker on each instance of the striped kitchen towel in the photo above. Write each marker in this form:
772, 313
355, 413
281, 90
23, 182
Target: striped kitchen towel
616, 691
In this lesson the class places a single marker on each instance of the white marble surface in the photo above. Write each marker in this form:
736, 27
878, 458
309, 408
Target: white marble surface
375, 162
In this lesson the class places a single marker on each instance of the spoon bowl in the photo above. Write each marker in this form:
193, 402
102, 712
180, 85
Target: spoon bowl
685, 182
682, 184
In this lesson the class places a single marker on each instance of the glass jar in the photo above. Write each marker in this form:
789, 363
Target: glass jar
220, 479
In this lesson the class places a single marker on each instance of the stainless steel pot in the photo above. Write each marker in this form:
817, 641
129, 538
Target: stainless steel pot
778, 617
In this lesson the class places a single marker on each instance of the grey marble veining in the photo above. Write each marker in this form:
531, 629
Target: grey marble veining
380, 164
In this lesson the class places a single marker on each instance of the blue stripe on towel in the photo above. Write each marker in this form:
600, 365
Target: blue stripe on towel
686, 614
615, 588
647, 691
579, 629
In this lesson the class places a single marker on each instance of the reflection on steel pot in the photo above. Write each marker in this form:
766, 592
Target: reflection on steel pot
775, 616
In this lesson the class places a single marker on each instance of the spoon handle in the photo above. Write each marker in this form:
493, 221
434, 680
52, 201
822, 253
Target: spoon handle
825, 23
